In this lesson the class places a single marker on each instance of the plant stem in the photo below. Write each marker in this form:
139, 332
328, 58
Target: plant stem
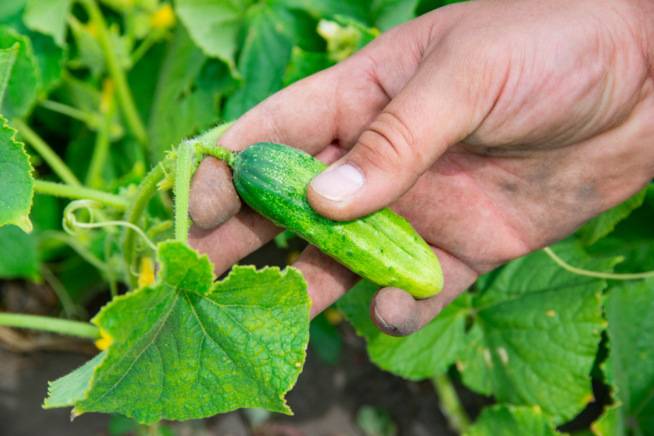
111, 278
583, 272
450, 403
125, 97
213, 135
55, 162
59, 290
76, 246
101, 149
59, 190
70, 111
143, 48
144, 193
55, 325
218, 152
183, 174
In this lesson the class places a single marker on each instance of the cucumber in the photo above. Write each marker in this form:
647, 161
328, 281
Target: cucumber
382, 247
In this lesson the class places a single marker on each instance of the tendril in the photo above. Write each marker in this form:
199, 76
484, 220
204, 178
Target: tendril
583, 272
74, 227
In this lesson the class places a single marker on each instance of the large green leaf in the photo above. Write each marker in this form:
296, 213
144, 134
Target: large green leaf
512, 421
356, 9
16, 183
390, 13
24, 82
186, 348
264, 57
633, 238
18, 254
50, 57
630, 366
303, 64
7, 59
422, 355
185, 99
536, 333
611, 422
213, 25
49, 17
604, 224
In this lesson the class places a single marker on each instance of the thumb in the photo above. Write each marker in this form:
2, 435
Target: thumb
433, 111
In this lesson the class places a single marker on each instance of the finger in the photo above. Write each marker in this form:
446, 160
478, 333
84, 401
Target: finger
213, 199
438, 107
246, 232
396, 313
327, 279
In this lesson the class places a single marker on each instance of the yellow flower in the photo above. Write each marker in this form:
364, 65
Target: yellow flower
104, 342
164, 18
147, 272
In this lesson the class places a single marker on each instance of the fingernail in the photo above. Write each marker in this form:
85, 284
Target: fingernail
339, 183
383, 324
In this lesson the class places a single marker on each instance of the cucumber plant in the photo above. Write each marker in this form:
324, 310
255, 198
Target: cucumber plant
76, 86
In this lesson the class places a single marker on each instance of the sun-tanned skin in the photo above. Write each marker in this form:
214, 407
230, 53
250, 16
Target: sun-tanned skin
495, 127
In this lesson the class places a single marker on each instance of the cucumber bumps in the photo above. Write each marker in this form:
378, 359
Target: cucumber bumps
382, 247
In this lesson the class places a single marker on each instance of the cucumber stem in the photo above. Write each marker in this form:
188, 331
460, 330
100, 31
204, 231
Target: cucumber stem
68, 191
450, 403
47, 153
218, 152
183, 174
55, 325
144, 193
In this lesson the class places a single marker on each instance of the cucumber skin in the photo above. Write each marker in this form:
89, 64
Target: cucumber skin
382, 247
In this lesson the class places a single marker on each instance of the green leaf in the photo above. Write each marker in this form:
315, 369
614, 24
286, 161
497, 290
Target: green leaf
515, 421
375, 421
48, 17
186, 97
24, 82
7, 59
186, 348
610, 423
536, 333
49, 56
264, 57
422, 355
51, 59
213, 25
303, 64
632, 238
630, 366
16, 183
326, 340
11, 9
390, 13
604, 224
355, 9
89, 50
18, 254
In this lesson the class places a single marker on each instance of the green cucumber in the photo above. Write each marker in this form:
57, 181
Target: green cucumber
382, 247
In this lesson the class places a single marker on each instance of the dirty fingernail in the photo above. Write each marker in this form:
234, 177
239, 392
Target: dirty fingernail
383, 324
339, 183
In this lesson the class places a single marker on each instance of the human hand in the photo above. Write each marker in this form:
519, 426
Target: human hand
495, 127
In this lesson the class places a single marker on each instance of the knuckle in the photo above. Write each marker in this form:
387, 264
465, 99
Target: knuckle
389, 142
